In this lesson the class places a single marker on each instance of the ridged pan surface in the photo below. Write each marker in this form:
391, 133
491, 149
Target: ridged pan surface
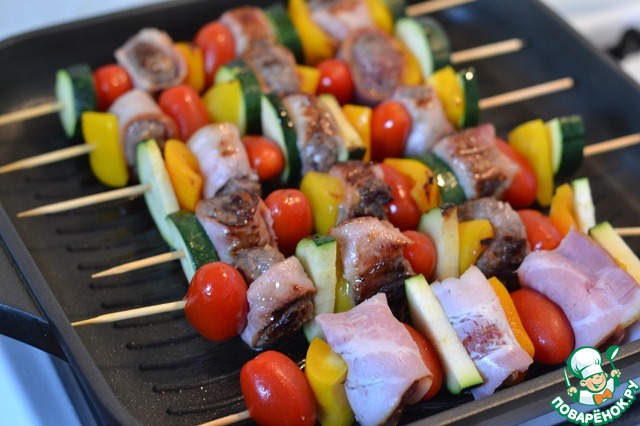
158, 370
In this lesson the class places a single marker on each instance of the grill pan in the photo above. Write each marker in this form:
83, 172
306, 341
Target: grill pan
158, 370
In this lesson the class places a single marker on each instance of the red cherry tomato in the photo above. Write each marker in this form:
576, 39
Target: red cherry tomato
431, 360
265, 156
421, 254
541, 232
110, 82
292, 218
218, 47
186, 108
546, 324
276, 391
402, 211
335, 79
522, 191
390, 127
217, 301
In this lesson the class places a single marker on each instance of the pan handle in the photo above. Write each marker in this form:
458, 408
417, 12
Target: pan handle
21, 287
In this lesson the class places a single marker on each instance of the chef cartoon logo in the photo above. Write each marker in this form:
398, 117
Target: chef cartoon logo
595, 387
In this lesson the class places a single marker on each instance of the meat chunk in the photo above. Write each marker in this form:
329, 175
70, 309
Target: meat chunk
151, 60
429, 123
280, 301
481, 324
248, 25
255, 261
385, 368
371, 253
235, 222
509, 246
481, 168
366, 191
339, 18
376, 62
223, 160
597, 296
275, 67
139, 119
319, 139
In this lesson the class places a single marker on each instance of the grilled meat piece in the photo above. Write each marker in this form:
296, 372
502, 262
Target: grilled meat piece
255, 261
248, 25
275, 67
509, 246
339, 18
234, 222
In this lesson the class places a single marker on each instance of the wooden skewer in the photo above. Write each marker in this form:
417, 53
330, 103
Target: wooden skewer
48, 158
628, 232
487, 51
142, 263
133, 313
611, 145
89, 200
527, 93
229, 420
25, 114
433, 6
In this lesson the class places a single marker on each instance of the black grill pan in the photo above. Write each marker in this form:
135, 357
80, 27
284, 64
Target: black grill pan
158, 371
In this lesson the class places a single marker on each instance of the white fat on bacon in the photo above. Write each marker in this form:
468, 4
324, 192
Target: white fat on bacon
221, 156
598, 297
385, 366
280, 301
339, 18
477, 316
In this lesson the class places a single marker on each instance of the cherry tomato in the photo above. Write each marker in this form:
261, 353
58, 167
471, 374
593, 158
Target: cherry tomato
217, 301
335, 79
183, 104
421, 254
110, 82
402, 211
546, 324
218, 47
541, 232
431, 360
292, 218
265, 156
390, 127
522, 191
276, 391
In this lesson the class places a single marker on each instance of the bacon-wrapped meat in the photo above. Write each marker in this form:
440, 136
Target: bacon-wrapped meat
477, 316
319, 139
235, 222
140, 118
152, 61
481, 168
248, 25
275, 67
223, 160
385, 367
280, 301
598, 297
255, 261
371, 252
339, 18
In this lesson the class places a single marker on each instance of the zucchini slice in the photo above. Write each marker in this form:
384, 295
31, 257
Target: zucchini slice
469, 86
318, 255
278, 126
441, 225
239, 70
76, 92
285, 31
161, 200
188, 235
396, 8
604, 234
354, 148
567, 143
427, 41
583, 209
450, 190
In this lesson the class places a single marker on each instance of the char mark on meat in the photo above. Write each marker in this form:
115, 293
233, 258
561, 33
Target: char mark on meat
255, 261
241, 184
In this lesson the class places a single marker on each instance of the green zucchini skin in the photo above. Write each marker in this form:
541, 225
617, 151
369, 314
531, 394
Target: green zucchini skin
450, 190
469, 85
251, 91
191, 238
76, 92
567, 141
285, 31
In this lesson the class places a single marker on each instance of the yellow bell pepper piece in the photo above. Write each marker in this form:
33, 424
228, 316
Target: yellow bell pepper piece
325, 193
326, 372
411, 73
309, 78
531, 139
561, 210
316, 44
424, 190
192, 55
447, 86
474, 237
512, 316
360, 118
184, 173
107, 160
224, 103
380, 14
